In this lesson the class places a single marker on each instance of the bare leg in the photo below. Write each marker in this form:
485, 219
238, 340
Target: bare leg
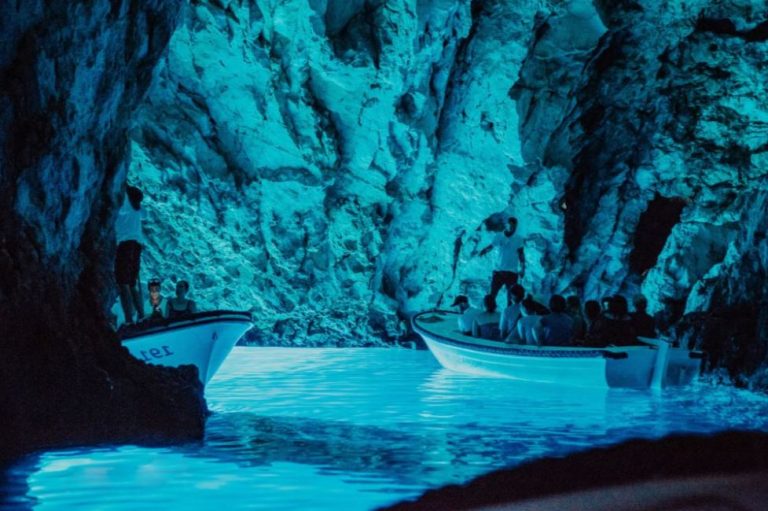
138, 303
126, 302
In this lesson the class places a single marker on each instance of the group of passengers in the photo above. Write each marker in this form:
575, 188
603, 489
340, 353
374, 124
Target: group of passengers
563, 323
128, 263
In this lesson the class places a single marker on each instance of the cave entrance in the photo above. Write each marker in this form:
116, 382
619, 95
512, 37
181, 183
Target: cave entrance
653, 229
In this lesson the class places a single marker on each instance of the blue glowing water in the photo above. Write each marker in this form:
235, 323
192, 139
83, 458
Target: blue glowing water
357, 429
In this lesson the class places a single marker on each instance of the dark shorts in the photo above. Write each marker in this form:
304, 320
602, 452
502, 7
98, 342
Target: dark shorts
127, 262
503, 278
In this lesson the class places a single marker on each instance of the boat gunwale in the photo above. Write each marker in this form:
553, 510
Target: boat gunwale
523, 350
197, 319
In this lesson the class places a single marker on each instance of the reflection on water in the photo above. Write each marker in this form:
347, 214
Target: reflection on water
357, 429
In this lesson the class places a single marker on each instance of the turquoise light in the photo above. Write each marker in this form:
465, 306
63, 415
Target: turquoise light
360, 428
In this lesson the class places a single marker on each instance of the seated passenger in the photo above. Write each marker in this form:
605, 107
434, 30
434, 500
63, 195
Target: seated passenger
486, 324
181, 305
644, 324
592, 313
573, 307
156, 305
467, 315
615, 326
557, 326
510, 315
529, 323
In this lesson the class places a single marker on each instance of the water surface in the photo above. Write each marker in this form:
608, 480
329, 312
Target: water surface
360, 428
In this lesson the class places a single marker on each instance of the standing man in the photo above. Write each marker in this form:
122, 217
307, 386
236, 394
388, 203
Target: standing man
128, 257
511, 263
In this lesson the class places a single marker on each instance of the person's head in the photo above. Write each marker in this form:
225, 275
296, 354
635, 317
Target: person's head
528, 306
517, 293
511, 226
462, 302
618, 306
182, 288
573, 304
154, 287
489, 302
640, 303
557, 304
592, 310
135, 196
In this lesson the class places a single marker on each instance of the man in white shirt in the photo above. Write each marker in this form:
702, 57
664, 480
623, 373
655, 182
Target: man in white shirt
510, 315
557, 326
529, 324
128, 256
511, 263
468, 313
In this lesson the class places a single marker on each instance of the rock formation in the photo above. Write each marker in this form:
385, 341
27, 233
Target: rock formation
71, 78
328, 164
334, 166
724, 471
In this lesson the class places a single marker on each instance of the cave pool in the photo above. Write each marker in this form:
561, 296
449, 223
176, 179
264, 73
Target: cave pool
358, 428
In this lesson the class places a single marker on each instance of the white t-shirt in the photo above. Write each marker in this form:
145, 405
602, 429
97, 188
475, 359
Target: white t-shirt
528, 329
508, 246
467, 318
128, 224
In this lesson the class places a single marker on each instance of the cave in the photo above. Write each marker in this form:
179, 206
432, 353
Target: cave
653, 229
324, 173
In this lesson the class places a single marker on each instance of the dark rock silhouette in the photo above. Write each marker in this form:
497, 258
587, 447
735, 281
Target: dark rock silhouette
71, 77
674, 459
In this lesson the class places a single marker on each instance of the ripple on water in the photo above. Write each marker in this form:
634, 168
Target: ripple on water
360, 428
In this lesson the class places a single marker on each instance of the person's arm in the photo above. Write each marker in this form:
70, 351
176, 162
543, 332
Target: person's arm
475, 328
192, 307
166, 311
486, 250
537, 331
502, 324
521, 255
521, 332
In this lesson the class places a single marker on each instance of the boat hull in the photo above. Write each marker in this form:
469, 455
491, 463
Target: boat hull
624, 367
203, 340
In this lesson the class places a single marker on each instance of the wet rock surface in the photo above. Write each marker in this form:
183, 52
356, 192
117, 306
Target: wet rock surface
676, 472
71, 77
329, 167
336, 167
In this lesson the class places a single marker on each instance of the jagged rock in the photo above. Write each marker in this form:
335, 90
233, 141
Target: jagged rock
348, 163
71, 77
319, 169
668, 110
334, 166
676, 472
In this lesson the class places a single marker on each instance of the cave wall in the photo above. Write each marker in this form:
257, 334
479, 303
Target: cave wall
328, 164
334, 166
72, 74
669, 109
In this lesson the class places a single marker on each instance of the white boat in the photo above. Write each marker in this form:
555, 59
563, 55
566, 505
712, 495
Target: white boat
655, 364
203, 339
